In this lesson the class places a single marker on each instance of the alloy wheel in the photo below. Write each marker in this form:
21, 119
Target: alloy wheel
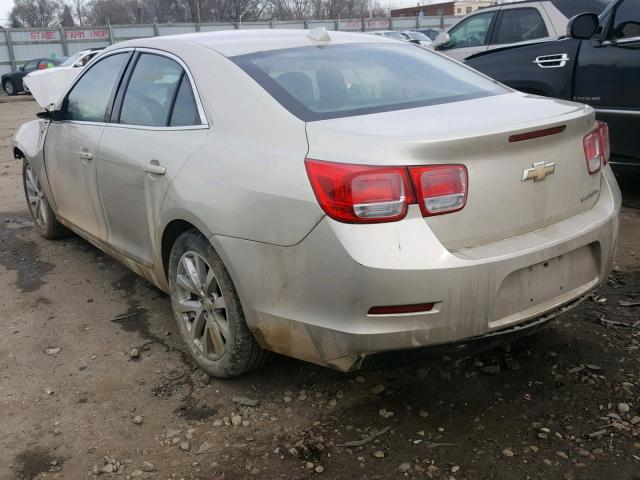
35, 197
201, 305
8, 87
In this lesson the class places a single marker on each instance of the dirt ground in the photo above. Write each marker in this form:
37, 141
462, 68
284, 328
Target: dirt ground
74, 403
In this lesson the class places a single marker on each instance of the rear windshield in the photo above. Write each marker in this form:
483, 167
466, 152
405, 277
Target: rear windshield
317, 83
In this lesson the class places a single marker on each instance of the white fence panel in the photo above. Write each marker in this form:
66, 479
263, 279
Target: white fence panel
123, 32
253, 25
376, 24
216, 27
176, 29
75, 47
404, 23
27, 52
328, 24
298, 25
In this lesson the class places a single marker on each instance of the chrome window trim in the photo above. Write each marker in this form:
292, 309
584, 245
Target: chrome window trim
621, 41
201, 113
163, 129
614, 111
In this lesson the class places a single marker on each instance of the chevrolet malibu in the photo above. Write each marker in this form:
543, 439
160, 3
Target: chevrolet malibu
325, 195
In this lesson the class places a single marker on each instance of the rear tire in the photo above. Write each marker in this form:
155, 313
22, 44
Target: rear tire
44, 220
9, 87
208, 311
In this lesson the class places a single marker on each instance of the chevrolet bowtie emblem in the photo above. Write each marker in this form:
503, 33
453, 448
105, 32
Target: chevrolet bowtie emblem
539, 171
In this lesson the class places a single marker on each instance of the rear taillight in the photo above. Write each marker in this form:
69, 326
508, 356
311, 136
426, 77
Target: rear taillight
606, 148
440, 188
360, 193
375, 194
596, 147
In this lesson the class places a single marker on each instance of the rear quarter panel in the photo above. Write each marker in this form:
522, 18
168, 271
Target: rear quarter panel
248, 180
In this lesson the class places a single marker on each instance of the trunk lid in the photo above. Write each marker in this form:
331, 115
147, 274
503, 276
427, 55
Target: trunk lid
476, 133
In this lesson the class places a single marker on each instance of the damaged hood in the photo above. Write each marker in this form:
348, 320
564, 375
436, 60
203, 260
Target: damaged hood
48, 86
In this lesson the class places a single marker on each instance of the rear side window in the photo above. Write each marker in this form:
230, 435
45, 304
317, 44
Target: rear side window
158, 94
150, 91
89, 98
316, 83
520, 25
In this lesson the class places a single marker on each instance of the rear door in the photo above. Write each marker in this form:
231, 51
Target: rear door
470, 36
607, 78
156, 125
72, 144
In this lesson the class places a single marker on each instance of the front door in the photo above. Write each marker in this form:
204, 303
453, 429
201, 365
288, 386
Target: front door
470, 36
156, 126
608, 79
72, 145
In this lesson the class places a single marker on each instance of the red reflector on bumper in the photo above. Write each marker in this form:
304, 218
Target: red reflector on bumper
536, 134
400, 309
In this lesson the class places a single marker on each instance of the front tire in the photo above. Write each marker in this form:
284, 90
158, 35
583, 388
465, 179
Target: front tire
44, 220
9, 87
208, 311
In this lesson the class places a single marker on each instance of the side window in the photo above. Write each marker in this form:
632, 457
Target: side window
150, 92
185, 111
29, 67
520, 25
626, 23
89, 98
472, 32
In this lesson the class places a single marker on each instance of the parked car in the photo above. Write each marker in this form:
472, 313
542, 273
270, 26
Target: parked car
512, 23
417, 38
46, 85
12, 82
405, 36
325, 203
598, 65
432, 33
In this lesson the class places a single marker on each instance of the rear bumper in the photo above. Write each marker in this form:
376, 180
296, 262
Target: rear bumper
310, 301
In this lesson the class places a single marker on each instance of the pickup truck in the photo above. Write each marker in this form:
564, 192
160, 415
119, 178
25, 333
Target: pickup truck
597, 63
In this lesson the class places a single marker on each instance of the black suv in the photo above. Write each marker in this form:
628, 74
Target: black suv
597, 63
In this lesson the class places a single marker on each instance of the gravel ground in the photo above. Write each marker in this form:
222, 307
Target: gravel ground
93, 383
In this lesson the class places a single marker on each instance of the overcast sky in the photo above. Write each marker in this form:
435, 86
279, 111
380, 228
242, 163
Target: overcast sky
5, 6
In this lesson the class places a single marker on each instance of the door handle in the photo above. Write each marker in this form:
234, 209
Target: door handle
155, 169
85, 155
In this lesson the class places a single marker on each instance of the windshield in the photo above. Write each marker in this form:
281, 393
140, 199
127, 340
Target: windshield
73, 59
316, 83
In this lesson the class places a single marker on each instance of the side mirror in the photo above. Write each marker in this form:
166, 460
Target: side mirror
583, 26
417, 42
442, 39
49, 114
21, 68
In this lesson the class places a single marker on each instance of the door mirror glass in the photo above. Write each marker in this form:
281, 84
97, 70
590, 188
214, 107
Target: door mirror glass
583, 26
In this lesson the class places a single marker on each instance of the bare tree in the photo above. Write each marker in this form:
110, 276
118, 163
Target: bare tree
35, 13
66, 17
78, 11
290, 9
